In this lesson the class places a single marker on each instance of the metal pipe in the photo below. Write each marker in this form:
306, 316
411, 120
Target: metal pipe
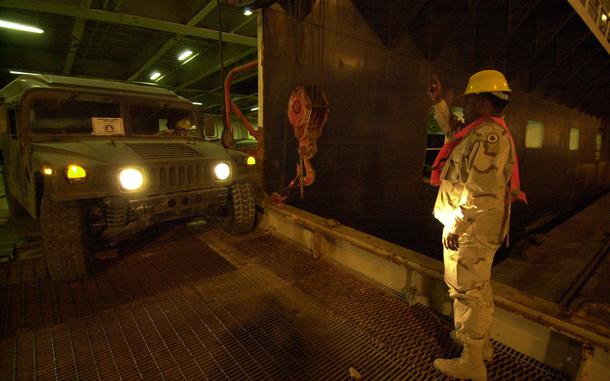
244, 120
227, 91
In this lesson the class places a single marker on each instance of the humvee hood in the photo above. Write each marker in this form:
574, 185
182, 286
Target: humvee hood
125, 151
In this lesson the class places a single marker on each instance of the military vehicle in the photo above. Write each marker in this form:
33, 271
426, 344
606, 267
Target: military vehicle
96, 161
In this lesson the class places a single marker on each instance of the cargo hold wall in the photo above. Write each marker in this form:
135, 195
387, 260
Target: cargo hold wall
372, 150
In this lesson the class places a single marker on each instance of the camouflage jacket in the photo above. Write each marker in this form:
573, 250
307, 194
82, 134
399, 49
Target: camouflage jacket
472, 196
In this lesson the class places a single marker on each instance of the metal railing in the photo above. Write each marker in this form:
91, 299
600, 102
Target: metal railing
598, 13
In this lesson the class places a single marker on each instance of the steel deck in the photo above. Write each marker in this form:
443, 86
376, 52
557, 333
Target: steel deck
195, 303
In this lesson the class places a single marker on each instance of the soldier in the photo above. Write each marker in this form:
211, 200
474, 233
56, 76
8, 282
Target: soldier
181, 128
478, 177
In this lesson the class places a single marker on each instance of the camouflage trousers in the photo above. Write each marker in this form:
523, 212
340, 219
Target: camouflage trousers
467, 274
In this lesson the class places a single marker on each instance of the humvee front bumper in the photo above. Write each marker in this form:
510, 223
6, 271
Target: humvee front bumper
126, 216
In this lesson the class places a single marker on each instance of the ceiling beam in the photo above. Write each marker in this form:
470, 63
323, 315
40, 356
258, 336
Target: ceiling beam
216, 68
544, 36
516, 16
206, 10
75, 38
540, 78
574, 71
125, 19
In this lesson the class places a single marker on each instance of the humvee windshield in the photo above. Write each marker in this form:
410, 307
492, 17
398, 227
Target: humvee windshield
68, 113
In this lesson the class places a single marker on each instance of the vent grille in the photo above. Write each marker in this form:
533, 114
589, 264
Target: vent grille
152, 151
177, 177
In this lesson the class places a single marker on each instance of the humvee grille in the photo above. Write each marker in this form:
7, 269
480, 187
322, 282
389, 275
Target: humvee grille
177, 177
152, 151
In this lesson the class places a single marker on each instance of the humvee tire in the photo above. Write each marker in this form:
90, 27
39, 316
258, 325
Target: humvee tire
241, 211
64, 238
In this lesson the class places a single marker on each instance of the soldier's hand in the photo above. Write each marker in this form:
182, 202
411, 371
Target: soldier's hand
435, 90
450, 241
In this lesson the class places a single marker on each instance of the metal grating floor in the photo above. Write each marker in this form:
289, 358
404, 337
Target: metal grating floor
197, 304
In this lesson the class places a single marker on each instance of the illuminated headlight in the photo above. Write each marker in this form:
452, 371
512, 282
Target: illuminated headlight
76, 174
222, 171
131, 179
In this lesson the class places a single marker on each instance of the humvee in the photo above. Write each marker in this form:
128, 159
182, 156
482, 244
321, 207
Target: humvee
96, 161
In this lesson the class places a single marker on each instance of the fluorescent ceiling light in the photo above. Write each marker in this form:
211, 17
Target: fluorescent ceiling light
197, 103
184, 55
254, 108
21, 27
22, 72
189, 59
155, 75
146, 83
247, 12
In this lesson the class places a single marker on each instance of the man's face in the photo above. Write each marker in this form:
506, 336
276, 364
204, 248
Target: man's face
470, 108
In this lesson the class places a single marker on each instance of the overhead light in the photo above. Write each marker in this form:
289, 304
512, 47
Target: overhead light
190, 58
197, 103
247, 11
254, 108
604, 17
146, 83
22, 72
184, 55
21, 27
155, 75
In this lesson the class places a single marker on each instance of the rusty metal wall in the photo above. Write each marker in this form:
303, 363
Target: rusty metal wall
371, 152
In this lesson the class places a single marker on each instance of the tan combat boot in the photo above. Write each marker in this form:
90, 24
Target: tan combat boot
488, 348
469, 366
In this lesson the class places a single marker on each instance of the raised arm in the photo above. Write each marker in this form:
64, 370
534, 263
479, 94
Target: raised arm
449, 124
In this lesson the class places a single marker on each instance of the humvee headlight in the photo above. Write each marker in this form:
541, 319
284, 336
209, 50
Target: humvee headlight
76, 174
131, 179
222, 171
251, 160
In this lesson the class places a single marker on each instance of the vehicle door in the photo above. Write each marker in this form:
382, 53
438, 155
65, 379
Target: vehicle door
13, 156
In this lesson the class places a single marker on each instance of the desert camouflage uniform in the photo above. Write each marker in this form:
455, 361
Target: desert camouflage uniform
472, 203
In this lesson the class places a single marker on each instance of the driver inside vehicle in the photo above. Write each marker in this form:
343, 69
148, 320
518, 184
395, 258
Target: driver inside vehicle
182, 127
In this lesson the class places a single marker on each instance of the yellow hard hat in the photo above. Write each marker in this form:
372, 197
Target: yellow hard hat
487, 81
